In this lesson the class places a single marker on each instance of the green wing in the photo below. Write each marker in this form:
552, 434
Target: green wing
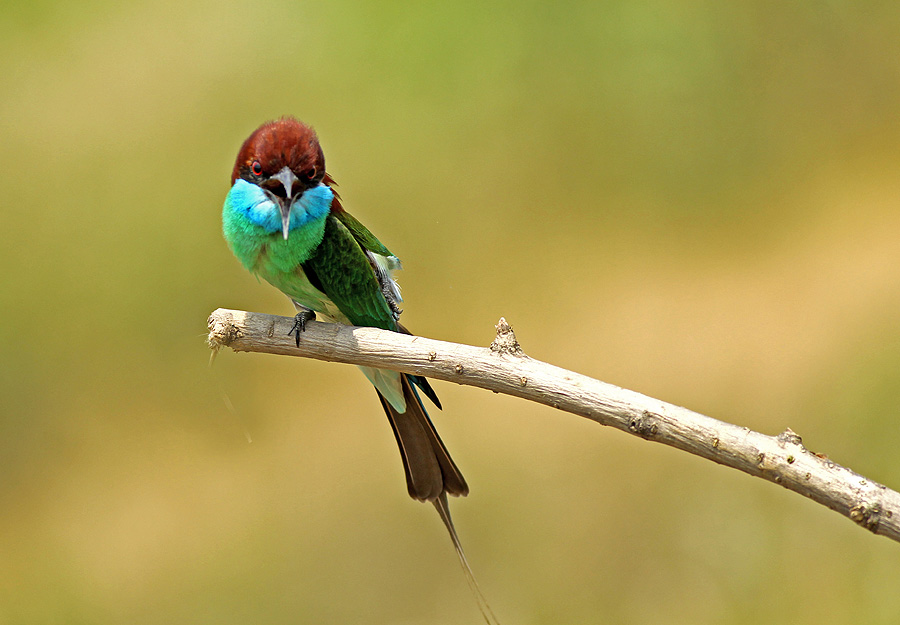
361, 233
341, 269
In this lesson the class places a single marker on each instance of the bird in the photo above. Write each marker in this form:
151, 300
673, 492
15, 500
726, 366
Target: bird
284, 222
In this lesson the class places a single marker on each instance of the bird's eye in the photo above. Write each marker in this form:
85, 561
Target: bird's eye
311, 174
256, 168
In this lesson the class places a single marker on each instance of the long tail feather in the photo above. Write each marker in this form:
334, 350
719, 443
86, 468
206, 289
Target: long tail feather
430, 470
431, 473
424, 479
443, 509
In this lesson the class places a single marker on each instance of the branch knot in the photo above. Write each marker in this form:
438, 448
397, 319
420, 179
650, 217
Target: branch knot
866, 514
646, 425
789, 436
505, 342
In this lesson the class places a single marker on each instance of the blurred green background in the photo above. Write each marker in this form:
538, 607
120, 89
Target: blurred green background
694, 200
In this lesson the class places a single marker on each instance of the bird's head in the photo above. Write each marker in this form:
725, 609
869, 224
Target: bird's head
284, 159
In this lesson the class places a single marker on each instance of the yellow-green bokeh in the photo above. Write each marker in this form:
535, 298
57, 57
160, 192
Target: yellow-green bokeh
695, 200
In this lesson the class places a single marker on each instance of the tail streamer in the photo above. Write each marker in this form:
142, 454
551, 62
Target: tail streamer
443, 510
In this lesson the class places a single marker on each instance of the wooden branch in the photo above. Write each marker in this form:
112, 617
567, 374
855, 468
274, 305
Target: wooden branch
505, 368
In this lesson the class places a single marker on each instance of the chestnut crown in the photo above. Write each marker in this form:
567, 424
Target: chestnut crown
286, 142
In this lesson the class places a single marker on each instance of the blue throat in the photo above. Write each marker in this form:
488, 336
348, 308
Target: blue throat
253, 203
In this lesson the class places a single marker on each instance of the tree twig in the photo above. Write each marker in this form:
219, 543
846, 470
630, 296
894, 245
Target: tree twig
505, 368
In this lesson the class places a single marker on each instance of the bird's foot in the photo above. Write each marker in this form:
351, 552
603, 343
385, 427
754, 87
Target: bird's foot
300, 320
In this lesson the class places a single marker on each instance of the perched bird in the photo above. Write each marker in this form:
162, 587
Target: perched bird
285, 223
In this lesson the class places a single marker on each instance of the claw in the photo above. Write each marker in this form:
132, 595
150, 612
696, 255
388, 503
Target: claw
300, 320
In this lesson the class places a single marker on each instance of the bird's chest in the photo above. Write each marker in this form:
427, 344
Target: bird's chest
282, 267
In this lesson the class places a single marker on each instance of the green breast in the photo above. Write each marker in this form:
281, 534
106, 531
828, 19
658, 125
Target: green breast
277, 261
